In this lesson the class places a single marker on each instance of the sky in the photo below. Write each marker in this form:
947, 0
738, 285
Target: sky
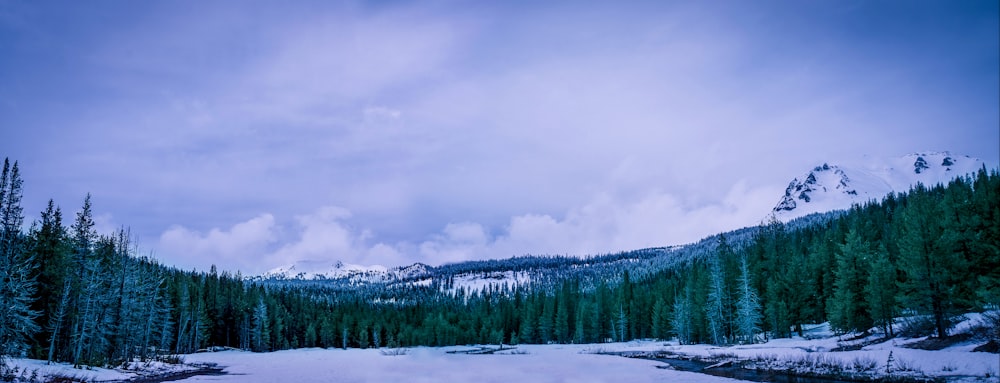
256, 134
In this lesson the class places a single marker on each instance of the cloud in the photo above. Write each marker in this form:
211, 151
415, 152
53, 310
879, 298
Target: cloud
235, 248
260, 244
445, 133
603, 225
322, 235
456, 242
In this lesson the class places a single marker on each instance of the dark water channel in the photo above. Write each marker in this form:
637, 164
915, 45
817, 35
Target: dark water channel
208, 370
736, 372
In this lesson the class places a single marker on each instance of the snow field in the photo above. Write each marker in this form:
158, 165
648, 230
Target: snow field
531, 363
560, 363
581, 363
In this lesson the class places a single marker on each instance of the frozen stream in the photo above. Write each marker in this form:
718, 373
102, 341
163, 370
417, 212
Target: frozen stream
554, 363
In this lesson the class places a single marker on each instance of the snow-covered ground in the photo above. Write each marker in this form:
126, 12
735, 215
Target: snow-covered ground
565, 363
39, 370
955, 363
538, 363
586, 363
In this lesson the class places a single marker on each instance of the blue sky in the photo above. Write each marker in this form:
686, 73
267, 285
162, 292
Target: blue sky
256, 134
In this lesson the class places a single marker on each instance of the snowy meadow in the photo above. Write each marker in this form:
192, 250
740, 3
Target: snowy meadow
817, 351
602, 362
564, 363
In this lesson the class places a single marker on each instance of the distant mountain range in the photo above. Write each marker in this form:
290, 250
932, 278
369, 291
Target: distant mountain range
835, 187
825, 188
320, 270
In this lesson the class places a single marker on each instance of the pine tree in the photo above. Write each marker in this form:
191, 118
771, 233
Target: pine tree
880, 291
561, 324
545, 328
17, 285
622, 323
85, 283
580, 333
847, 309
748, 311
660, 317
984, 253
682, 321
933, 265
56, 320
717, 299
262, 330
49, 248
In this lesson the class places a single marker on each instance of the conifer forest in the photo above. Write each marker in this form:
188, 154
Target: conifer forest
70, 294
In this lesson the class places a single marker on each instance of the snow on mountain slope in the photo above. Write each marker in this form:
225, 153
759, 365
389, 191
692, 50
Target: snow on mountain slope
311, 270
484, 281
835, 187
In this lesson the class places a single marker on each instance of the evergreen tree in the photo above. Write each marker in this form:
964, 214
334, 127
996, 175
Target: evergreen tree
929, 258
580, 333
561, 324
682, 320
660, 319
847, 309
262, 330
17, 285
717, 296
881, 291
621, 323
984, 251
748, 314
48, 247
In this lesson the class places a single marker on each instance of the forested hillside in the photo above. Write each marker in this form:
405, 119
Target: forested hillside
70, 294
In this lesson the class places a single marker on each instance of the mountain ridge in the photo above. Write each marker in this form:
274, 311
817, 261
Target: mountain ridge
830, 187
825, 188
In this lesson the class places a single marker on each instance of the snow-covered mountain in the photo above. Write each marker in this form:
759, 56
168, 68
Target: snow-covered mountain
825, 188
834, 187
319, 270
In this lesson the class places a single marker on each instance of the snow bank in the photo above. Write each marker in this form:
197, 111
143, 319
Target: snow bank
41, 371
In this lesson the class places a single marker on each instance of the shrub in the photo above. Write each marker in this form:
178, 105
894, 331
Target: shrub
397, 351
904, 365
923, 325
171, 359
864, 364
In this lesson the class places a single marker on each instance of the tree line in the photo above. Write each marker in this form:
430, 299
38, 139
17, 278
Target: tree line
70, 294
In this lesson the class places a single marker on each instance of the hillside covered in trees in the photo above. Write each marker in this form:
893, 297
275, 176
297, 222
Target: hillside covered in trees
69, 294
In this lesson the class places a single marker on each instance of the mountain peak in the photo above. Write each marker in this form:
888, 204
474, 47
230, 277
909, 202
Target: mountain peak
834, 187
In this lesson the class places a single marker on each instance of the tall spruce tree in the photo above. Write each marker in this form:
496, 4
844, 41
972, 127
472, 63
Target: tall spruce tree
985, 251
847, 309
660, 319
718, 297
682, 320
48, 246
748, 311
17, 283
928, 257
880, 291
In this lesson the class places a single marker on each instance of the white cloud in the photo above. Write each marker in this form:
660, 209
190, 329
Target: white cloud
457, 242
321, 234
472, 134
238, 247
604, 224
258, 245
